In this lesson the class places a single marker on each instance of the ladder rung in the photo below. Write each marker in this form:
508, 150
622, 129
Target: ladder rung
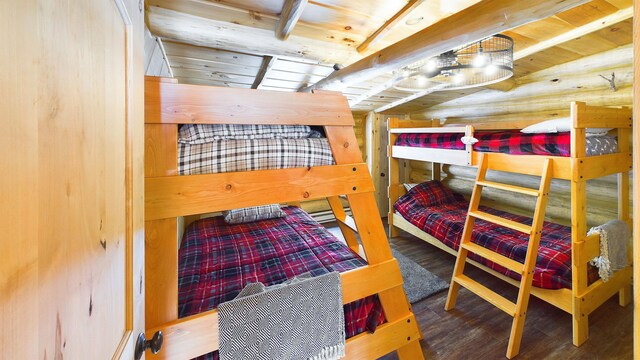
507, 187
495, 257
489, 295
501, 221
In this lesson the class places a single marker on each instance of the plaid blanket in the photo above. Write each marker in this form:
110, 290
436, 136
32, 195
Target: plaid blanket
441, 213
248, 155
511, 142
203, 133
217, 260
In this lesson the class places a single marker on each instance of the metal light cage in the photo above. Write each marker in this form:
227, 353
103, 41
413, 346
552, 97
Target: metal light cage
483, 62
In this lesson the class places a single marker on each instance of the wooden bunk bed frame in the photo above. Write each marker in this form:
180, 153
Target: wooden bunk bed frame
169, 196
582, 298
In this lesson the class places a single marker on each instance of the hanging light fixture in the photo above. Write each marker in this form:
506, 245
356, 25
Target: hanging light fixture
483, 62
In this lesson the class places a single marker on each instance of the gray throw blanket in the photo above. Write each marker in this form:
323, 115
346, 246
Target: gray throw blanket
302, 318
614, 244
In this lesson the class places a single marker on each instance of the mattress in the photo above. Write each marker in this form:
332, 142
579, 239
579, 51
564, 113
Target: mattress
206, 149
511, 142
217, 260
441, 213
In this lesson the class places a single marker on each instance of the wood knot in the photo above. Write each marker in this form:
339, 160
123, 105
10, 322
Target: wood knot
306, 195
228, 187
346, 145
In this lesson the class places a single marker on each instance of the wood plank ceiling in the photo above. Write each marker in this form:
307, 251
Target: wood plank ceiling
233, 43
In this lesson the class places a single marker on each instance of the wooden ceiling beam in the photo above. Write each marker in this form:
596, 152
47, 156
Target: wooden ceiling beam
478, 21
194, 30
289, 16
226, 12
583, 30
267, 64
387, 26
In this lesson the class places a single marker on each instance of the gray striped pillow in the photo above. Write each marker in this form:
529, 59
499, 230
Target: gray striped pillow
251, 214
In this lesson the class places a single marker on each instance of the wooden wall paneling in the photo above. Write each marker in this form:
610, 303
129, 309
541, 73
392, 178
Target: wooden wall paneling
636, 182
71, 256
19, 265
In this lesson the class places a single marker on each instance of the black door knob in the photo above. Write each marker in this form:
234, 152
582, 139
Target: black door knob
142, 344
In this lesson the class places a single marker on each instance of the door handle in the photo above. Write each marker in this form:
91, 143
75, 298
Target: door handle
142, 344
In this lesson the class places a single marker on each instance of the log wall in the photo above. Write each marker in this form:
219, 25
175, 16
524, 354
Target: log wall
540, 96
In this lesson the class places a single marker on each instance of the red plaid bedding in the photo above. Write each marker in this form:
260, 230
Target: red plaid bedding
217, 260
441, 213
510, 142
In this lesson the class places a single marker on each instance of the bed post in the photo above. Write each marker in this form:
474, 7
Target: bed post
624, 134
394, 175
578, 230
161, 247
374, 240
435, 167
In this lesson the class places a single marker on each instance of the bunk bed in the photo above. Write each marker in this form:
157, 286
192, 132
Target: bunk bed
178, 187
561, 156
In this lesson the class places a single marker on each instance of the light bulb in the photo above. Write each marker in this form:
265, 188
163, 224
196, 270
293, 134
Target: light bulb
432, 65
491, 70
421, 81
480, 60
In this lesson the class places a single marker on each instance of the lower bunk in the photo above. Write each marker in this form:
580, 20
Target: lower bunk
218, 259
435, 214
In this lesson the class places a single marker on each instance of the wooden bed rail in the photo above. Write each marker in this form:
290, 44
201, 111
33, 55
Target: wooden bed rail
172, 103
173, 196
586, 116
198, 334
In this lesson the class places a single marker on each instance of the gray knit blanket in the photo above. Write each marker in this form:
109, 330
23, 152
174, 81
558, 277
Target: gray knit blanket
302, 318
614, 245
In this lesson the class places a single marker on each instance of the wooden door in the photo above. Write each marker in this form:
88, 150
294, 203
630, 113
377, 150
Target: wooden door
71, 249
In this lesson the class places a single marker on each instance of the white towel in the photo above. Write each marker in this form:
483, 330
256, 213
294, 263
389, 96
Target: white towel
614, 244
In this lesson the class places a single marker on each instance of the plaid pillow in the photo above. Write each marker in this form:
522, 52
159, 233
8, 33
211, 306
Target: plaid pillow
251, 214
204, 133
430, 193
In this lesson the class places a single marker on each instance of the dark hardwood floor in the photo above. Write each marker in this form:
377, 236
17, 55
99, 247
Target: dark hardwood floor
476, 329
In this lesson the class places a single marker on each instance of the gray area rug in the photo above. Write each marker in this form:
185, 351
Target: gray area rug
419, 283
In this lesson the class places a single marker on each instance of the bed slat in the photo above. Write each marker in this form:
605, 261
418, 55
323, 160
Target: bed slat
198, 194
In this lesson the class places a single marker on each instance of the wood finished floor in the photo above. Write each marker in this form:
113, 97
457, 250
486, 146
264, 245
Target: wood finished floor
477, 330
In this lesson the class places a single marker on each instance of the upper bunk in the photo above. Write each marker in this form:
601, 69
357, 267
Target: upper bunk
576, 165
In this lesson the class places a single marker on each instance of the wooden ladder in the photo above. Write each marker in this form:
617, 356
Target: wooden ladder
518, 309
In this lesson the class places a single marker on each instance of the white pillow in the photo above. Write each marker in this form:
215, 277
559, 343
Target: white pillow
560, 125
409, 186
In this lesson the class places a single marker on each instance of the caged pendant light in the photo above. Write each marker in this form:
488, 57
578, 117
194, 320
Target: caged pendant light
483, 62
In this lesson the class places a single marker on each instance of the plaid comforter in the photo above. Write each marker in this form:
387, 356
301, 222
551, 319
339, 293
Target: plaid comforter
217, 260
441, 213
252, 154
511, 142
